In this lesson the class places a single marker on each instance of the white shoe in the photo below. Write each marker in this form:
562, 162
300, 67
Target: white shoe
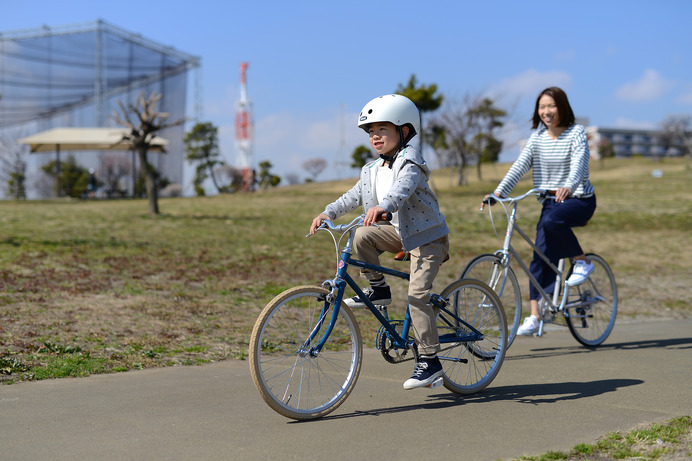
582, 270
529, 327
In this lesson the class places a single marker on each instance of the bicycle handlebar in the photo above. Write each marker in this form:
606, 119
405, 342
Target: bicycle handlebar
357, 221
543, 193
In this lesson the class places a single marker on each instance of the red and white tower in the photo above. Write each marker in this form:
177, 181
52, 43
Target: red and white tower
244, 131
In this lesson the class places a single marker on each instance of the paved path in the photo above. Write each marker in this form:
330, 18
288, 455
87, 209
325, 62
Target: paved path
550, 395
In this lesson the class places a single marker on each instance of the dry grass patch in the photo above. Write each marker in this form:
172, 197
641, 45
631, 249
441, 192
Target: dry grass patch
100, 286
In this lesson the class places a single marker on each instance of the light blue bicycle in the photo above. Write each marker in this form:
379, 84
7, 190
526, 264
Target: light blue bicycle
306, 347
588, 310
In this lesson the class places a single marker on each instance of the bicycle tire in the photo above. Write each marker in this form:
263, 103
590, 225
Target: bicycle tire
486, 268
592, 324
469, 367
293, 382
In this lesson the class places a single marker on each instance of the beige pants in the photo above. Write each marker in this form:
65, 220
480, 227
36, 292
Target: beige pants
426, 260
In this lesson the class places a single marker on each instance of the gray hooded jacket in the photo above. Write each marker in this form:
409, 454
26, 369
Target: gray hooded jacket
420, 219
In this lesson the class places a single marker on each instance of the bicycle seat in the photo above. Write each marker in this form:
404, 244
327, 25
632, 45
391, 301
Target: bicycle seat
403, 255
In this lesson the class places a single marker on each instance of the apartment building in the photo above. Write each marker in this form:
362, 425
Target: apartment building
630, 142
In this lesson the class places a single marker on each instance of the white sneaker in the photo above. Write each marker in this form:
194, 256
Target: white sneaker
529, 327
582, 270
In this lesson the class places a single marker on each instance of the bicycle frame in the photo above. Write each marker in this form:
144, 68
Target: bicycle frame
508, 249
557, 303
342, 279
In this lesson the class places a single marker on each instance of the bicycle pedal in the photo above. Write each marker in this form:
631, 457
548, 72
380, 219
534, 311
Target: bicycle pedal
435, 384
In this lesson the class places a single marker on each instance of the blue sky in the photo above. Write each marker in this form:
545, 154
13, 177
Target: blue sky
314, 64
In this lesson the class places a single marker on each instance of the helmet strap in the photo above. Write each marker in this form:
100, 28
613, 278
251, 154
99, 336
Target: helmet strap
402, 141
389, 159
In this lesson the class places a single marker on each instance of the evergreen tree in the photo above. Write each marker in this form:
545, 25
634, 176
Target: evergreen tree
202, 149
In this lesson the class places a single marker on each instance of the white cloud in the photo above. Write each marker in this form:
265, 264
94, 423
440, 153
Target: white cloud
530, 83
649, 87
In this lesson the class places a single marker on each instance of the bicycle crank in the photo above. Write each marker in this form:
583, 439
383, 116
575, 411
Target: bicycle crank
389, 351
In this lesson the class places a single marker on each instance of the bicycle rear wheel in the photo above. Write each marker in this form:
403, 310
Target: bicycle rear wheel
294, 380
469, 366
488, 268
592, 321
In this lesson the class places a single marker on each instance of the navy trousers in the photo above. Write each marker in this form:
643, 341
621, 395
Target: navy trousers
555, 238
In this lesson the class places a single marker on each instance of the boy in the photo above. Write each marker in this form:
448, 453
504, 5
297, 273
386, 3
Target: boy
397, 182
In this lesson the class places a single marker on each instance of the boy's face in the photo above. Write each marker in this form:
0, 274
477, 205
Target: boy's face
384, 137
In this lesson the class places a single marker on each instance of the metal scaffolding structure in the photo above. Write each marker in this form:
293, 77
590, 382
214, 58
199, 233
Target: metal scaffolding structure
74, 76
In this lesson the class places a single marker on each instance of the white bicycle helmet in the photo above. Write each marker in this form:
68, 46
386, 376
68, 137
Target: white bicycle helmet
393, 108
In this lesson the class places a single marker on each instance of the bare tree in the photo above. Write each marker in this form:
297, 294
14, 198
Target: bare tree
450, 133
115, 167
292, 179
231, 177
141, 133
13, 167
605, 150
463, 133
315, 166
677, 132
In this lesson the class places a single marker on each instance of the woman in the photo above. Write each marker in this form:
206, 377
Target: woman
558, 152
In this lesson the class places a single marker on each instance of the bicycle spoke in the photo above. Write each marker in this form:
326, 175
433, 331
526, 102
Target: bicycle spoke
293, 378
470, 365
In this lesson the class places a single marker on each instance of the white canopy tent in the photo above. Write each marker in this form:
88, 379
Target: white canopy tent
94, 139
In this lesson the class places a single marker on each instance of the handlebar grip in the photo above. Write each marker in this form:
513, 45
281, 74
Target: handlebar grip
490, 200
547, 193
386, 216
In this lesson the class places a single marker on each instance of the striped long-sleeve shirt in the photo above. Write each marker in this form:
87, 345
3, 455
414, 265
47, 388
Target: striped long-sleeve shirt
561, 162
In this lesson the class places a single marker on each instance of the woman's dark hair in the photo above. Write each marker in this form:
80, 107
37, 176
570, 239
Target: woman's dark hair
564, 110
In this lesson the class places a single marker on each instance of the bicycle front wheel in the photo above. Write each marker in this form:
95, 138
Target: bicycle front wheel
291, 377
469, 366
488, 268
595, 305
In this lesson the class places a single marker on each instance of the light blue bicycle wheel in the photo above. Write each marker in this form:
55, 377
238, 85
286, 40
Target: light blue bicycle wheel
488, 268
597, 304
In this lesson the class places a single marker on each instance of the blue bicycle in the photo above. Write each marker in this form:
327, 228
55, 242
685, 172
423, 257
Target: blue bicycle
306, 347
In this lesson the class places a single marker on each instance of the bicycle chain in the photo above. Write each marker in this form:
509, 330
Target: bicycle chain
398, 358
384, 344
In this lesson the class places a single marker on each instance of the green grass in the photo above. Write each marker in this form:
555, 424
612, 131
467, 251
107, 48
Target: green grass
112, 288
667, 440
